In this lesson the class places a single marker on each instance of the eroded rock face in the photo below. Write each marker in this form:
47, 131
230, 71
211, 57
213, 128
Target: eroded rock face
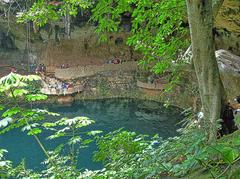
229, 67
227, 33
229, 15
6, 42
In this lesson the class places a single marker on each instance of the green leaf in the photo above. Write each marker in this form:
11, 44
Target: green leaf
49, 124
74, 140
237, 119
1, 107
229, 154
2, 151
36, 97
32, 78
44, 111
29, 127
78, 122
4, 122
34, 131
87, 141
11, 112
93, 133
20, 92
57, 135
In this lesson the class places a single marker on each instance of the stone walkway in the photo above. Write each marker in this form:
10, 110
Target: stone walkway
84, 71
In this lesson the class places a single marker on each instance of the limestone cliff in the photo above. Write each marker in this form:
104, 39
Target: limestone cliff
228, 27
229, 16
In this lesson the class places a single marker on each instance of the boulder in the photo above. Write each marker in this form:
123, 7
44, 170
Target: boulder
228, 62
229, 67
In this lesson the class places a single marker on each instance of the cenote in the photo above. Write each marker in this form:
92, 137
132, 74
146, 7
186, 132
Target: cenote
140, 116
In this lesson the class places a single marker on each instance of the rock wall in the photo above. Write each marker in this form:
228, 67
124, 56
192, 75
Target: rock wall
229, 15
84, 47
227, 32
14, 48
109, 84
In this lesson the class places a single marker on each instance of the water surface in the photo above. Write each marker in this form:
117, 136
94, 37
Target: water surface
142, 117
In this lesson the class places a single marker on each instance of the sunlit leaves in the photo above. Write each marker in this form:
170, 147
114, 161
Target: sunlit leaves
44, 111
49, 125
157, 28
36, 97
1, 107
14, 124
75, 140
119, 145
86, 142
78, 122
19, 92
12, 111
2, 151
16, 86
229, 154
56, 135
16, 80
5, 165
30, 78
69, 125
43, 12
29, 127
11, 81
4, 122
93, 133
226, 153
40, 13
34, 131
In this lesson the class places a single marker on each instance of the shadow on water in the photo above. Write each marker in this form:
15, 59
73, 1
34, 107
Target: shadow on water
140, 116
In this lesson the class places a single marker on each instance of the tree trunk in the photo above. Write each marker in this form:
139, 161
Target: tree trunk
200, 14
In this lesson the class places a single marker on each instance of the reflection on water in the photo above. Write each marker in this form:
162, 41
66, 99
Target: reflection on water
143, 117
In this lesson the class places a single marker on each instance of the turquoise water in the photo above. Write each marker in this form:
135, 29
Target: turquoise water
142, 117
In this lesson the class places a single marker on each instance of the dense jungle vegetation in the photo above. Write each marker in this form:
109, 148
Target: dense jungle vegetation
161, 31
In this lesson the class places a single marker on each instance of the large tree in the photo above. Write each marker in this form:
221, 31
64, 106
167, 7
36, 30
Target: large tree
201, 20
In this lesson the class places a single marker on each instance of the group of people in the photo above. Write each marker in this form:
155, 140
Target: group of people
37, 68
34, 68
56, 86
